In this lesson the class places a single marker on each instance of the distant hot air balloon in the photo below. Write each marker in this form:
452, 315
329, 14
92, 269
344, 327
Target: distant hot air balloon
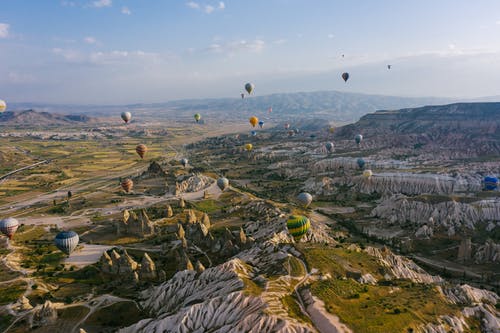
67, 241
361, 163
261, 123
3, 105
389, 66
197, 117
269, 110
287, 126
248, 147
358, 138
127, 185
249, 87
141, 150
304, 199
184, 162
312, 136
253, 120
297, 131
9, 226
126, 116
298, 226
242, 95
69, 195
223, 183
253, 133
367, 174
331, 129
329, 146
490, 183
345, 76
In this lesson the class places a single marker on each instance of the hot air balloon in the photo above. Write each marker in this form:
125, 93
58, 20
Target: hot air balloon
66, 241
490, 183
253, 133
297, 131
126, 116
197, 117
389, 66
329, 146
261, 124
269, 110
253, 120
242, 95
358, 138
3, 105
345, 76
69, 195
184, 162
141, 150
223, 183
331, 129
127, 185
305, 199
298, 226
312, 136
287, 126
9, 226
248, 147
367, 174
361, 163
249, 87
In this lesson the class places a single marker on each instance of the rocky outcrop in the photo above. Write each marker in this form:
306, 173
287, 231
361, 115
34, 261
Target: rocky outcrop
465, 294
488, 253
170, 211
43, 315
147, 269
119, 264
192, 183
464, 250
135, 224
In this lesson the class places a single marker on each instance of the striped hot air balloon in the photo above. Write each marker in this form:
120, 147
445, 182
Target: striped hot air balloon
141, 150
66, 241
127, 185
298, 226
9, 226
490, 183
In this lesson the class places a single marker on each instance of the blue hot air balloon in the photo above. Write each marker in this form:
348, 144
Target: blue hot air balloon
254, 133
490, 183
261, 124
66, 241
361, 163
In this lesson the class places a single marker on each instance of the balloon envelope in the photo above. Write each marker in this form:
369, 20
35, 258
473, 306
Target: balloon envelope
261, 124
141, 150
345, 76
253, 121
223, 183
248, 147
329, 146
127, 184
287, 126
249, 87
254, 133
66, 241
9, 226
361, 163
490, 183
126, 116
3, 105
367, 173
358, 138
197, 117
298, 226
305, 199
184, 162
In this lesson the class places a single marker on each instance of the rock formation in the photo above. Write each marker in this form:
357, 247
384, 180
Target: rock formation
135, 224
118, 263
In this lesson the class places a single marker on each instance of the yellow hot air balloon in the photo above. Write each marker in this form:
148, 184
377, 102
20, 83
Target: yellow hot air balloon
3, 105
367, 174
253, 121
197, 117
248, 147
331, 129
298, 226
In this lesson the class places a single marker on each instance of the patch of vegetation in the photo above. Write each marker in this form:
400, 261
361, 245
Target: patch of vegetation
11, 292
293, 308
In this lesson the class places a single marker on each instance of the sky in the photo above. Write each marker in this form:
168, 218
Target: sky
148, 51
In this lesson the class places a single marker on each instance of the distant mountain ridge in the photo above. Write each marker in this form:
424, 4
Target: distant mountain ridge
32, 117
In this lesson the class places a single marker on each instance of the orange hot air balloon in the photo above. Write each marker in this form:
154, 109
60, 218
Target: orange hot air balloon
127, 184
253, 121
141, 150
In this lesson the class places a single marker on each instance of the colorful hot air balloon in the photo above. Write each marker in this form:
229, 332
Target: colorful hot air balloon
253, 120
249, 87
141, 150
291, 133
261, 124
331, 129
9, 226
490, 183
367, 174
361, 163
126, 116
242, 95
345, 76
305, 199
298, 226
3, 105
67, 241
184, 162
197, 117
253, 133
329, 146
287, 126
223, 183
127, 185
248, 147
358, 138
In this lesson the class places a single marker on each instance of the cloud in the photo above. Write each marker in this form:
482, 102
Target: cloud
330, 36
68, 3
110, 57
209, 9
4, 30
102, 3
233, 47
90, 40
193, 5
280, 41
222, 5
15, 77
68, 54
126, 11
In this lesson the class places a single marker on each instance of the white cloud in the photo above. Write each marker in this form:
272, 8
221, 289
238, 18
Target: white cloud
452, 47
126, 11
209, 9
222, 5
279, 41
102, 3
68, 54
193, 5
233, 47
68, 3
90, 40
4, 30
330, 36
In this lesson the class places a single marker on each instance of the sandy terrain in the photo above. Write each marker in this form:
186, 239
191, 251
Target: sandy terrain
87, 255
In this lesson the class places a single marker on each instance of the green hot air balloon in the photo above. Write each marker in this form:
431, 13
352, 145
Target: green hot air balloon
298, 226
361, 163
358, 138
249, 87
197, 117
